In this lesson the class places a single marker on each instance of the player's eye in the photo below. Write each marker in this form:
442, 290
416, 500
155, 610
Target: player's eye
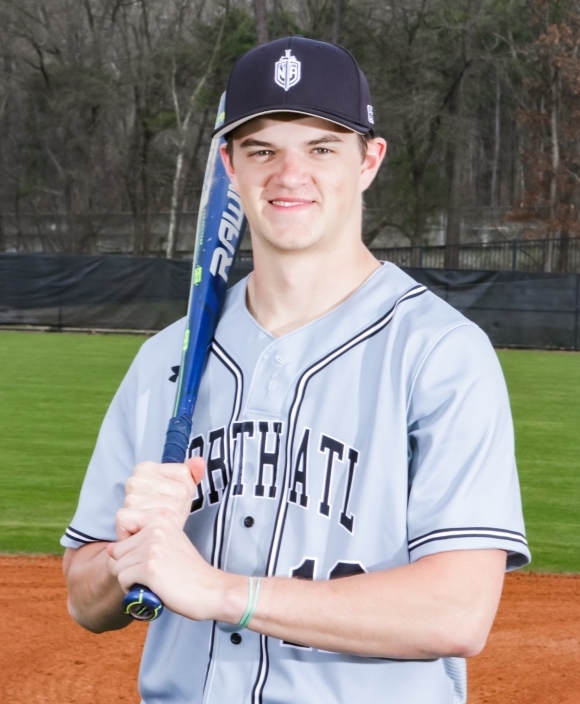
321, 150
262, 152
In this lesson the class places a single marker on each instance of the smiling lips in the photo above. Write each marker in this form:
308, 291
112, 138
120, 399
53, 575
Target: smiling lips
290, 203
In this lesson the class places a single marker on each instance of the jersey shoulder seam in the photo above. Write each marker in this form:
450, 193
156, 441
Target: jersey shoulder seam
437, 340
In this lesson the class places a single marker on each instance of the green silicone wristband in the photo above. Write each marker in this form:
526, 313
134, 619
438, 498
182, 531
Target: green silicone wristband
256, 595
246, 617
252, 608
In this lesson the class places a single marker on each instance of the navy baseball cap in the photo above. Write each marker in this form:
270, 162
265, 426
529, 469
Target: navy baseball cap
299, 75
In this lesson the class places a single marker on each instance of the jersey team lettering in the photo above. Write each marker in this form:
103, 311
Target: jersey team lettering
251, 438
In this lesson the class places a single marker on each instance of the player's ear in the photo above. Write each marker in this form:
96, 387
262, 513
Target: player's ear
229, 165
376, 151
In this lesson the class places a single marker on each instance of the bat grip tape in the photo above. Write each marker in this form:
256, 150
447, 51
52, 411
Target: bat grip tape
176, 440
140, 602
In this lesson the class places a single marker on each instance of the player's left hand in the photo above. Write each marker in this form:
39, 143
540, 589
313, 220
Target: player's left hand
160, 555
159, 489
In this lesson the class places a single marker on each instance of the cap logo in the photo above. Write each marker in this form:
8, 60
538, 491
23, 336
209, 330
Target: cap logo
287, 71
371, 114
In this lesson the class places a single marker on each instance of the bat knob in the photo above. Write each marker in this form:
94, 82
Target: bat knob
142, 604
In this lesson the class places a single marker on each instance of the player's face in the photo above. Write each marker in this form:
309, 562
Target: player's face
301, 180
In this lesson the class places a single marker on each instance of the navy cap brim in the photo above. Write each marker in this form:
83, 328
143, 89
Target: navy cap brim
230, 126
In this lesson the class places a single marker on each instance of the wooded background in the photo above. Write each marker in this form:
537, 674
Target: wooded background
107, 106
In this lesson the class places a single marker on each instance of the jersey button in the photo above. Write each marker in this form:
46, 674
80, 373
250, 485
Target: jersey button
236, 638
248, 521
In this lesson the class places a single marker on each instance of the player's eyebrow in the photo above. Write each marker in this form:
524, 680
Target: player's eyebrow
250, 142
327, 139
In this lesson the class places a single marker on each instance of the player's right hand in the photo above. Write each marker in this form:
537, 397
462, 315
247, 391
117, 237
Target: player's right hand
165, 489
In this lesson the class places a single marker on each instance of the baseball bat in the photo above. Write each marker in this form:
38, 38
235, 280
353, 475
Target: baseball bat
220, 225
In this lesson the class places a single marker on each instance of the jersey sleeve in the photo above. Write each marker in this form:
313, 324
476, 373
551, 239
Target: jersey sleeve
112, 462
463, 483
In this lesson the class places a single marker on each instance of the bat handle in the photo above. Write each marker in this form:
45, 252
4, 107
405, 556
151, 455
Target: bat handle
177, 439
140, 603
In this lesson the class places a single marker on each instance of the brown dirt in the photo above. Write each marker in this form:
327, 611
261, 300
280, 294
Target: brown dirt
533, 652
532, 656
45, 658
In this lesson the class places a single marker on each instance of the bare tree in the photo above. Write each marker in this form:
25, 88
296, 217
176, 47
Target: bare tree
550, 122
182, 126
261, 20
336, 21
105, 105
458, 149
496, 144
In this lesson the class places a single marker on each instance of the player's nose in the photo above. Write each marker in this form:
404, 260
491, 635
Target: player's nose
290, 170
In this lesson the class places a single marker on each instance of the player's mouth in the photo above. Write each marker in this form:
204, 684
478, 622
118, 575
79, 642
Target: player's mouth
293, 204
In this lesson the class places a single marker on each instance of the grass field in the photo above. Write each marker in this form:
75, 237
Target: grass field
544, 391
55, 389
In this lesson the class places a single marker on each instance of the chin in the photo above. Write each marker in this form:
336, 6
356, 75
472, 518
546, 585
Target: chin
293, 242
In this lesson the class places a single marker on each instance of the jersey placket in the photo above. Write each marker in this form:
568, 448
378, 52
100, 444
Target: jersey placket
257, 441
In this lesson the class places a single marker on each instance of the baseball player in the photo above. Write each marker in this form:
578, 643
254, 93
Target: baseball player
342, 527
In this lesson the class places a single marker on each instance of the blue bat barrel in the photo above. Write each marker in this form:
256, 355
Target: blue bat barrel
220, 226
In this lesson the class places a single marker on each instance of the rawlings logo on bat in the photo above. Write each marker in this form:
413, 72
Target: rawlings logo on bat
229, 230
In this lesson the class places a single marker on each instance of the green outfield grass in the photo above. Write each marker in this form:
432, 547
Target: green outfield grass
55, 389
544, 391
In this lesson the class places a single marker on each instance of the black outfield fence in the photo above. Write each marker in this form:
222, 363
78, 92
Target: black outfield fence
57, 291
547, 255
516, 309
108, 292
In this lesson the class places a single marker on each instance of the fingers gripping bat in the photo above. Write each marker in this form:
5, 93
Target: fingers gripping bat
220, 225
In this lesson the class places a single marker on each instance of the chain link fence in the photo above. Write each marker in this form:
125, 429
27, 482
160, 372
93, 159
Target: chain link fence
545, 255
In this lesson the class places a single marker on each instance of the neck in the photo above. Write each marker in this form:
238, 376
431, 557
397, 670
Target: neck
288, 289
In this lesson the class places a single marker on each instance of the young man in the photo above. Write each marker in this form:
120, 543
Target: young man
352, 444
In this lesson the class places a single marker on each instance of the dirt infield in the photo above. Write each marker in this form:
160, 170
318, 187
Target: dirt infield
532, 657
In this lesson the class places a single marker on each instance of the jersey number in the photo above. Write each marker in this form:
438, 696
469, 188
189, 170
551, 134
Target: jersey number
306, 569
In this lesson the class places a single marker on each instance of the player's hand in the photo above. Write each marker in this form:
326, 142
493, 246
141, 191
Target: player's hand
160, 555
159, 488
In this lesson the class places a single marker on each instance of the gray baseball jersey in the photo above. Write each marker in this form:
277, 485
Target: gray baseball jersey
367, 439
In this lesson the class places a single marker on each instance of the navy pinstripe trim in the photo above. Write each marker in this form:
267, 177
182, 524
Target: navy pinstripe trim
216, 554
299, 393
236, 372
262, 671
473, 532
79, 537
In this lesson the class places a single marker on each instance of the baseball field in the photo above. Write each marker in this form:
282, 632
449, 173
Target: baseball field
54, 391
